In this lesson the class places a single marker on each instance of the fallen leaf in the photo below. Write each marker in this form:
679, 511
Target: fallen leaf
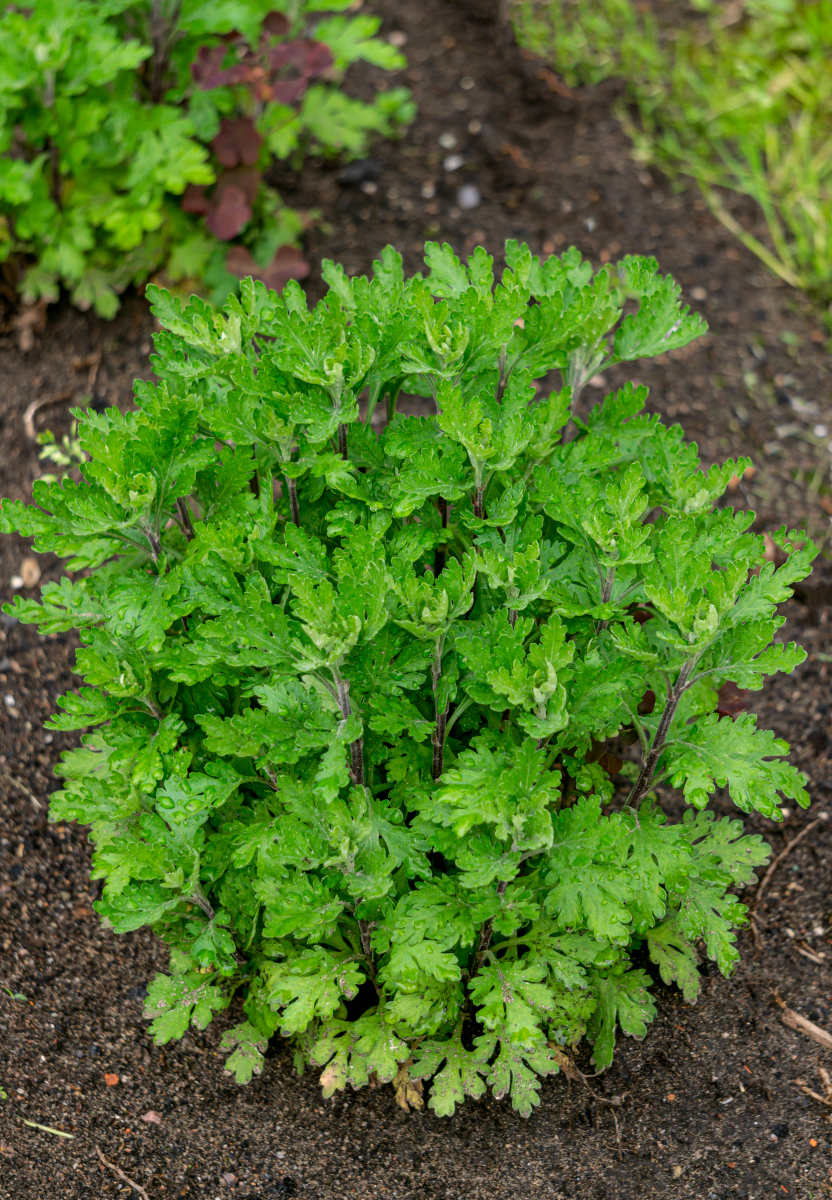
408, 1091
565, 1063
152, 1118
111, 1080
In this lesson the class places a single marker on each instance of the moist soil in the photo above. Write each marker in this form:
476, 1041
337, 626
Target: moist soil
706, 1106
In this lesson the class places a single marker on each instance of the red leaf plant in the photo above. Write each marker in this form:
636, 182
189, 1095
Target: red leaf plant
274, 72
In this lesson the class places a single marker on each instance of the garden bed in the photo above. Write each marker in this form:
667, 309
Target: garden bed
705, 1106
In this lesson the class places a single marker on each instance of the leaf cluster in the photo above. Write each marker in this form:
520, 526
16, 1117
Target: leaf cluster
116, 116
356, 681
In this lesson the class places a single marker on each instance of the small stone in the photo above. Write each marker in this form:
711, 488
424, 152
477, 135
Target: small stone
397, 38
677, 1171
468, 196
447, 141
369, 188
152, 1117
598, 381
9, 700
475, 126
30, 572
780, 1129
428, 189
466, 83
699, 293
453, 162
16, 583
820, 431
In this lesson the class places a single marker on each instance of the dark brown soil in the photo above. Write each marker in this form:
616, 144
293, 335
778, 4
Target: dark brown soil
707, 1104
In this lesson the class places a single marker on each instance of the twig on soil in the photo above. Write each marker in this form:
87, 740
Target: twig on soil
572, 1071
29, 415
827, 1087
136, 1186
15, 782
772, 868
48, 1129
802, 1025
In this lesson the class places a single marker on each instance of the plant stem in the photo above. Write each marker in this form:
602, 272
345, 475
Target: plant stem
674, 695
342, 442
441, 551
485, 933
185, 517
477, 502
438, 737
503, 379
294, 510
356, 747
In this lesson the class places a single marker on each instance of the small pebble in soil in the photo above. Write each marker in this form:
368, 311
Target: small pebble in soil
16, 582
447, 141
397, 38
466, 83
428, 190
453, 162
699, 293
30, 572
474, 126
780, 1129
9, 700
468, 196
820, 431
369, 188
590, 223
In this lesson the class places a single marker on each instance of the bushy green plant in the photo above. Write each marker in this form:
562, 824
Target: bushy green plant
738, 98
357, 695
107, 117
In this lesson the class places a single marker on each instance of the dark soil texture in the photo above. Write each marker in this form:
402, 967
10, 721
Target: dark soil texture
706, 1106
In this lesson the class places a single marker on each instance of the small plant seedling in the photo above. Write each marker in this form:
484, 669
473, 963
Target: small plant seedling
376, 715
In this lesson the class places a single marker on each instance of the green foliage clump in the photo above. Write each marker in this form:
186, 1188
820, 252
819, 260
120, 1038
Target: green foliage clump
739, 97
107, 116
362, 696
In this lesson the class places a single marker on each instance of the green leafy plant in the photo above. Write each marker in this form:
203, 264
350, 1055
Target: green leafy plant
738, 98
378, 715
112, 112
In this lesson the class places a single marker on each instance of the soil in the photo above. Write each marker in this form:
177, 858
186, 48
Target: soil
706, 1106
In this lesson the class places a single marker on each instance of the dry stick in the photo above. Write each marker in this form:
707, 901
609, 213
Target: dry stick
772, 868
15, 782
802, 1025
36, 405
136, 1186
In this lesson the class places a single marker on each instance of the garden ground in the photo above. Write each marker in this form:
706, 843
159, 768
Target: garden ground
705, 1106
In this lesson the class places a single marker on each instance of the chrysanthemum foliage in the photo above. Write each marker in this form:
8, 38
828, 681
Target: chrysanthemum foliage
357, 686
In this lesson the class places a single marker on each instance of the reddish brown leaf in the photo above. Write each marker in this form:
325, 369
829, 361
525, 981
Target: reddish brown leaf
232, 214
732, 700
287, 264
247, 179
237, 143
207, 70
289, 91
194, 200
275, 24
647, 703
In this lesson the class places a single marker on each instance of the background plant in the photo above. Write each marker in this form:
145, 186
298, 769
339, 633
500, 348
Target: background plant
739, 97
106, 120
378, 717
